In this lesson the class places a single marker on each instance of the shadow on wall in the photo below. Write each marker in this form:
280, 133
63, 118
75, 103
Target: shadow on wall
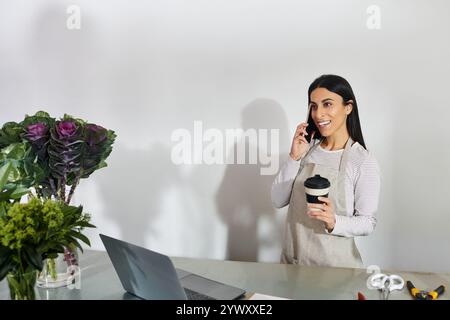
132, 196
243, 198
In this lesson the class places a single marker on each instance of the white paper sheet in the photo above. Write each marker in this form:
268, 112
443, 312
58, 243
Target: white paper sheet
260, 296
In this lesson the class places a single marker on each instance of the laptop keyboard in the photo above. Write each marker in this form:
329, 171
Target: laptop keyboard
193, 295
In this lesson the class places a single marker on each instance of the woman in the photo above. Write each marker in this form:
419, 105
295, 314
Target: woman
337, 152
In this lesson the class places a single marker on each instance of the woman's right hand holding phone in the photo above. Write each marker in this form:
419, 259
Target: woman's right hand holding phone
300, 145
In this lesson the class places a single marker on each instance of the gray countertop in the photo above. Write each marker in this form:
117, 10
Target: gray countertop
99, 280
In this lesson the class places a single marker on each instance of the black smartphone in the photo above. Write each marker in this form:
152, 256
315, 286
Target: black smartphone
308, 136
309, 129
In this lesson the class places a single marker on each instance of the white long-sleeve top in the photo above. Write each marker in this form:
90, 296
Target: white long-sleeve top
362, 188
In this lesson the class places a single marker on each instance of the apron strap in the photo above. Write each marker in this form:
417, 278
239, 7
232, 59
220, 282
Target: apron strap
345, 155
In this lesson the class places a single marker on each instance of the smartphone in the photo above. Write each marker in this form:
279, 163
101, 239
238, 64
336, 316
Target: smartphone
309, 129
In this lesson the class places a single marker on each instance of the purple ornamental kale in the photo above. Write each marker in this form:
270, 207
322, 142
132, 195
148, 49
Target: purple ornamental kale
95, 134
36, 131
38, 135
66, 129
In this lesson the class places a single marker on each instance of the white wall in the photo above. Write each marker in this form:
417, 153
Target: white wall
147, 68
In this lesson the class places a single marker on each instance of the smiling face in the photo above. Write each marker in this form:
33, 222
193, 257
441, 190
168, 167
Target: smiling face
329, 112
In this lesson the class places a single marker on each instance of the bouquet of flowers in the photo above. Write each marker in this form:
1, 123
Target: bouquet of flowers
33, 232
53, 155
47, 157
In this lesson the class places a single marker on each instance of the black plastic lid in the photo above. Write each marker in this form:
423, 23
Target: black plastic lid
317, 182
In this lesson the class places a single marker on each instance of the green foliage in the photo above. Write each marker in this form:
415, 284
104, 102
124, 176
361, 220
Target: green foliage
10, 133
39, 229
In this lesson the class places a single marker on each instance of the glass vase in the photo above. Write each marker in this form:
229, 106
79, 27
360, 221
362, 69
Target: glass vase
58, 272
22, 285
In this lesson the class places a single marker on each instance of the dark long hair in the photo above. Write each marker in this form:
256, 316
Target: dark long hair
341, 87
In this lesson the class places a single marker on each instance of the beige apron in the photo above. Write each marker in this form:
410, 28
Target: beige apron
306, 241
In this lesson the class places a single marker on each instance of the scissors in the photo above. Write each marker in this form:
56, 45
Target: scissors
386, 283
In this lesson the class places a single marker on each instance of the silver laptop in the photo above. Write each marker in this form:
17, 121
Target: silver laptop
150, 275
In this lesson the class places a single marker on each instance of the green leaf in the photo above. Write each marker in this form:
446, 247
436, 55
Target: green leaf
16, 151
5, 196
4, 173
13, 283
5, 267
52, 255
2, 211
85, 224
10, 133
80, 236
71, 210
34, 257
19, 192
4, 254
42, 114
74, 241
58, 248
